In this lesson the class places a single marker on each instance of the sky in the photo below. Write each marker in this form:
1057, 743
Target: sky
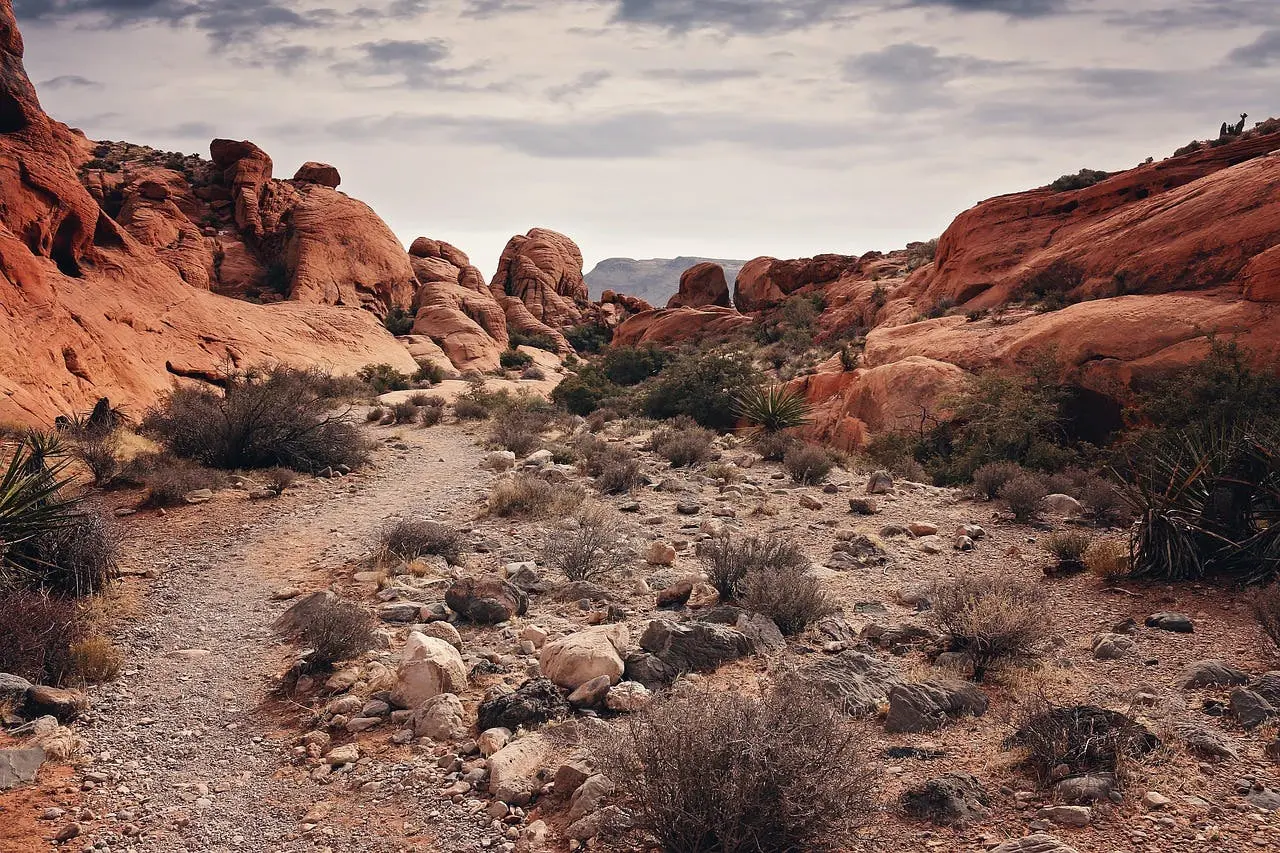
657, 128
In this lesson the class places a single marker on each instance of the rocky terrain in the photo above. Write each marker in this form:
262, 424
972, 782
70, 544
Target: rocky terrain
655, 280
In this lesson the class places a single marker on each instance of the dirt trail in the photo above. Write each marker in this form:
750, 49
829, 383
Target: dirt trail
185, 750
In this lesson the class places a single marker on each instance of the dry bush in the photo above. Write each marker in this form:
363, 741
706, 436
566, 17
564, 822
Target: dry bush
597, 420
992, 619
404, 412
39, 631
169, 481
721, 771
429, 416
684, 445
774, 446
1108, 559
101, 455
729, 560
1103, 500
1083, 739
990, 478
468, 409
586, 548
534, 373
423, 399
619, 474
335, 630
1068, 547
808, 464
525, 496
95, 659
1266, 607
279, 479
1024, 495
409, 538
790, 596
76, 559
519, 430
375, 415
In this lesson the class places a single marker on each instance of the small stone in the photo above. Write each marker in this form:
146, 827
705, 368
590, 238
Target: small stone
881, 482
660, 554
863, 506
809, 502
1067, 815
1175, 622
921, 528
348, 753
1154, 800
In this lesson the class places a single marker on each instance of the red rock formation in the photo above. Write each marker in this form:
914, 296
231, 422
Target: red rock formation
323, 174
543, 269
87, 309
702, 285
766, 282
679, 325
246, 169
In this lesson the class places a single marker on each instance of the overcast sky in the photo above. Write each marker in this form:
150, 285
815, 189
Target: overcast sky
642, 128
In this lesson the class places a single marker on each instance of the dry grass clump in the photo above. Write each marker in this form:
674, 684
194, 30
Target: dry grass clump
1266, 608
726, 471
684, 445
519, 430
729, 560
95, 659
990, 478
407, 539
615, 468
39, 631
597, 420
533, 373
790, 596
375, 415
774, 446
279, 479
526, 496
808, 464
586, 547
1108, 559
1103, 500
1024, 495
1081, 739
429, 416
335, 630
721, 771
1068, 548
422, 399
992, 619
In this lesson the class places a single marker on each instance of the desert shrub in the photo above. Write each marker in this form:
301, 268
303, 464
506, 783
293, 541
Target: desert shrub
1102, 499
1266, 608
990, 478
337, 630
619, 474
263, 419
724, 771
728, 560
895, 452
683, 445
279, 479
519, 431
597, 420
562, 454
100, 454
774, 446
588, 337
525, 496
169, 481
533, 373
39, 632
432, 374
586, 390
992, 619
774, 409
407, 539
1080, 180
919, 254
790, 596
532, 339
404, 412
381, 378
1068, 548
513, 359
399, 321
430, 415
1084, 739
627, 366
76, 558
1024, 495
470, 409
702, 385
95, 659
375, 415
587, 547
422, 398
808, 464
1108, 559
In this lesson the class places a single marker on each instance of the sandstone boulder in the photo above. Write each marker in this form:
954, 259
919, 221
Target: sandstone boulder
543, 269
596, 652
429, 667
702, 285
323, 174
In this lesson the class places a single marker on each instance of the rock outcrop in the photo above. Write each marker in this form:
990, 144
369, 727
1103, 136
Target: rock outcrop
766, 282
677, 325
543, 269
702, 285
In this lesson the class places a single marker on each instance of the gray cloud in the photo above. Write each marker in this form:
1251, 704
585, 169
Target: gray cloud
907, 77
1263, 51
201, 130
69, 81
419, 64
581, 84
1197, 14
701, 76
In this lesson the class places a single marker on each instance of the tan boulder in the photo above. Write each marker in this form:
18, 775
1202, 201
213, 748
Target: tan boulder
515, 770
578, 658
429, 666
766, 282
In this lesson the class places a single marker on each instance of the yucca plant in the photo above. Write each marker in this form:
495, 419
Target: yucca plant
773, 409
31, 506
1208, 503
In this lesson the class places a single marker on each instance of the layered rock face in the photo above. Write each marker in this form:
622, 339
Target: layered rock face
767, 282
543, 269
92, 306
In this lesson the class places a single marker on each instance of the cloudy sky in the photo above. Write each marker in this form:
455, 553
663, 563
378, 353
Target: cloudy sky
642, 128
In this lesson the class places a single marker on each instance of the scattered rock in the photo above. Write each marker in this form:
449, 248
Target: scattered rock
660, 554
1250, 709
676, 595
443, 631
1063, 505
487, 601
863, 506
1154, 800
809, 502
927, 706
1037, 842
440, 718
1077, 816
1082, 790
19, 766
881, 482
591, 693
529, 705
499, 460
954, 799
1210, 673
859, 681
1109, 646
693, 646
13, 690
578, 658
492, 740
921, 528
64, 705
429, 666
628, 696
515, 770
1175, 622
199, 496
348, 753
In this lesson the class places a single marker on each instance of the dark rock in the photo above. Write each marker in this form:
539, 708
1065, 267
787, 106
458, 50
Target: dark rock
927, 706
65, 705
879, 483
648, 670
1207, 744
955, 799
859, 681
487, 601
1268, 687
1175, 622
531, 704
837, 628
762, 632
900, 637
688, 508
863, 506
1250, 709
528, 580
1210, 673
591, 693
694, 646
1264, 798
677, 595
400, 612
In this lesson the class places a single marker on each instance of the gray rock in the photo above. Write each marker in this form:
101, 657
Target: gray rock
1178, 623
879, 483
1067, 815
694, 646
1268, 687
1112, 646
13, 690
1264, 798
927, 706
607, 822
954, 799
486, 600
1037, 842
589, 796
1210, 673
900, 637
1250, 709
591, 693
400, 612
19, 766
859, 681
1207, 744
648, 670
1082, 790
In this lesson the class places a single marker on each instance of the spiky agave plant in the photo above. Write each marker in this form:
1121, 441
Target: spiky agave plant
773, 409
31, 505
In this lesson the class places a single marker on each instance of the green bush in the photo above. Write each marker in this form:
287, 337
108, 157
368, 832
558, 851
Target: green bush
382, 378
529, 339
513, 359
627, 366
588, 389
432, 374
774, 409
683, 445
399, 321
588, 337
702, 385
808, 464
1080, 180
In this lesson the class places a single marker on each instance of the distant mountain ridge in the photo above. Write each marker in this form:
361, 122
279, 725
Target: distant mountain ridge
655, 280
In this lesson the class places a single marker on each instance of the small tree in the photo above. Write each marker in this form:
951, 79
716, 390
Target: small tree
587, 548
